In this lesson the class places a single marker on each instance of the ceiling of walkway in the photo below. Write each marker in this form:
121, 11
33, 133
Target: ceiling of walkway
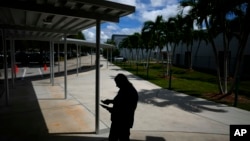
51, 19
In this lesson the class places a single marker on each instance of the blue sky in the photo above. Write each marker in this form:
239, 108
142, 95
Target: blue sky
145, 10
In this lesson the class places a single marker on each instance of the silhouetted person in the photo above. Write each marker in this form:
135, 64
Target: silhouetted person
122, 112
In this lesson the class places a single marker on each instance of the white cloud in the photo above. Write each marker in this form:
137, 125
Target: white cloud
112, 26
157, 3
145, 10
104, 37
129, 31
166, 12
127, 2
90, 34
107, 31
186, 10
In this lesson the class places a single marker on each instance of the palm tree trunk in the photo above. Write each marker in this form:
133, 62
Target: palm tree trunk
142, 54
173, 53
137, 52
125, 51
225, 65
210, 36
148, 59
244, 35
168, 60
240, 57
191, 58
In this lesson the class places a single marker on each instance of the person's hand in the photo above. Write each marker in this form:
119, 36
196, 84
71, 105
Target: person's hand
107, 101
107, 108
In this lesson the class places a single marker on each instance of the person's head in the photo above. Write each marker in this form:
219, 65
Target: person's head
121, 80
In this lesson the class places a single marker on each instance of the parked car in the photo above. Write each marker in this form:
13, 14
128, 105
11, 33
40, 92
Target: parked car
21, 57
35, 57
120, 59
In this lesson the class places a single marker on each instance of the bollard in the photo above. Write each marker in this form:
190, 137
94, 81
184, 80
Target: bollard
236, 92
170, 80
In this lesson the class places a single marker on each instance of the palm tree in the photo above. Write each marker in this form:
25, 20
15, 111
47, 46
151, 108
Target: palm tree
124, 44
135, 41
156, 29
114, 51
71, 47
186, 30
148, 41
159, 35
215, 16
173, 32
243, 23
79, 35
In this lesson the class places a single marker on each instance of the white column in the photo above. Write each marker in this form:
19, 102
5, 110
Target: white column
6, 86
80, 61
91, 56
13, 72
97, 88
65, 67
52, 63
50, 60
107, 57
58, 56
77, 60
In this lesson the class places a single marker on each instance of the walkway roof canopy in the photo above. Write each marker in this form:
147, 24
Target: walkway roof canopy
85, 43
51, 19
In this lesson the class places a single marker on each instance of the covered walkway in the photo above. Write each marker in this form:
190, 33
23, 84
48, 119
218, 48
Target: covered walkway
38, 111
50, 20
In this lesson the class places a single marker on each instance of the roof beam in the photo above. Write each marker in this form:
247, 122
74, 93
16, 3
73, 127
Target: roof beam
108, 4
16, 27
59, 11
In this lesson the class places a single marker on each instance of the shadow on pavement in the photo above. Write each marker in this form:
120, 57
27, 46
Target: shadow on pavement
90, 138
23, 117
164, 98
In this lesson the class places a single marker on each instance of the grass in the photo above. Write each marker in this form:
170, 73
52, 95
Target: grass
191, 82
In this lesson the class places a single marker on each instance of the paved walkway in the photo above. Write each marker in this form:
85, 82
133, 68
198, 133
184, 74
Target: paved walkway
39, 111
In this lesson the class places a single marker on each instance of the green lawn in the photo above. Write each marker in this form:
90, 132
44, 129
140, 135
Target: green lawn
190, 82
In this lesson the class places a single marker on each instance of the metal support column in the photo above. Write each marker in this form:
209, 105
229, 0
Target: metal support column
65, 66
58, 57
107, 57
80, 61
52, 63
97, 86
6, 83
77, 60
91, 51
13, 63
111, 56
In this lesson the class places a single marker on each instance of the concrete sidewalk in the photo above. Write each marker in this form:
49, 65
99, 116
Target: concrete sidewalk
39, 111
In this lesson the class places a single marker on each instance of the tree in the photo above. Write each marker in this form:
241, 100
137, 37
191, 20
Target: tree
242, 11
148, 42
173, 34
79, 35
115, 51
216, 17
124, 44
159, 35
135, 42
